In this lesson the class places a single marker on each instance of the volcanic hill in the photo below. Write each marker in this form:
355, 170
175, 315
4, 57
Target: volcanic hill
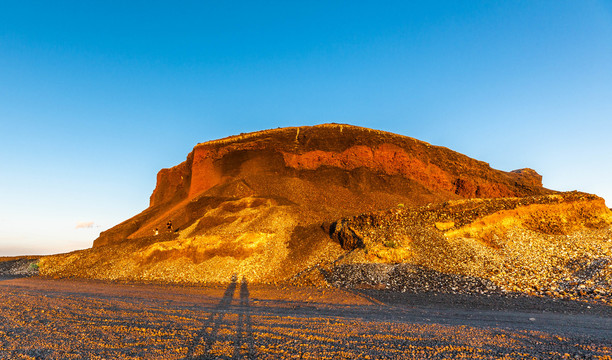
289, 204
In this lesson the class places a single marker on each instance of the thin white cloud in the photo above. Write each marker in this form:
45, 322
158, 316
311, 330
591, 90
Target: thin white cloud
84, 225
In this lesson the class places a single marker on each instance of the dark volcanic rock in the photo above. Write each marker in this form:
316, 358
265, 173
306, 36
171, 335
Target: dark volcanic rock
406, 278
18, 267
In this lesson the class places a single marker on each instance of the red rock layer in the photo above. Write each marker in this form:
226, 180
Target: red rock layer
339, 168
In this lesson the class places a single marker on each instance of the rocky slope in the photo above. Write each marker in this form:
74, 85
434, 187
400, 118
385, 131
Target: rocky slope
285, 204
557, 245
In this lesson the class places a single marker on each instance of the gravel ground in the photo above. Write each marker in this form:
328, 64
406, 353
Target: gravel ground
74, 319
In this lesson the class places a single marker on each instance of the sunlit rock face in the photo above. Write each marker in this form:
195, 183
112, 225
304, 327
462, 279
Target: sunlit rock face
331, 170
265, 205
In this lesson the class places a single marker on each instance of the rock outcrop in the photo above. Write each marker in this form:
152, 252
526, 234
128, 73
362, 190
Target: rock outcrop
330, 170
295, 204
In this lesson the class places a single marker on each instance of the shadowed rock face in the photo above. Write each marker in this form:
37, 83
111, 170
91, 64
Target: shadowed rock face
320, 173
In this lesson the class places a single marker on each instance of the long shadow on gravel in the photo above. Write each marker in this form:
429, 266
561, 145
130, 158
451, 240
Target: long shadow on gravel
244, 328
205, 338
495, 302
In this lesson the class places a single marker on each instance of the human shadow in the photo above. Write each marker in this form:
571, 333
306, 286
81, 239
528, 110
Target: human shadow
243, 346
206, 336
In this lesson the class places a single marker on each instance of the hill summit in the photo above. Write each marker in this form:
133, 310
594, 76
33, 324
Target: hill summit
293, 204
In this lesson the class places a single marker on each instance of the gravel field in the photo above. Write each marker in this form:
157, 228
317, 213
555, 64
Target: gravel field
76, 319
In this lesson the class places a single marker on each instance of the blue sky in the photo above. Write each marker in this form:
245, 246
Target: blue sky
97, 96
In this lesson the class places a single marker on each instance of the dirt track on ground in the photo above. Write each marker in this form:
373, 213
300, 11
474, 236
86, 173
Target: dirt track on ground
74, 319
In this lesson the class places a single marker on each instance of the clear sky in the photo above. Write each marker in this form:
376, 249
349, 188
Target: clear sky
97, 96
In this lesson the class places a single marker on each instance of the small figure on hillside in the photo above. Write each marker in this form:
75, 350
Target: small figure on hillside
156, 232
169, 225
